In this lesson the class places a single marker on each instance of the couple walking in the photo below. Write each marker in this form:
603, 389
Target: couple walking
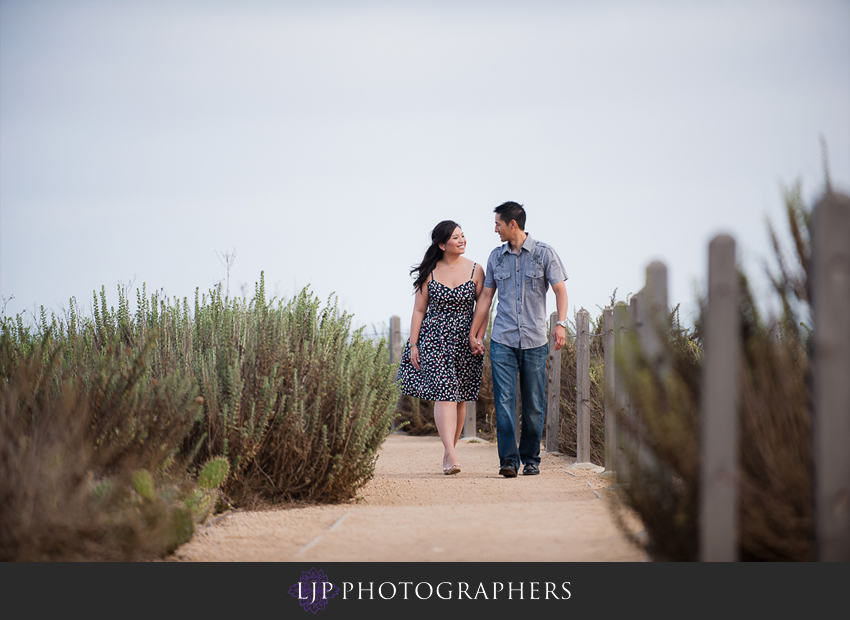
443, 360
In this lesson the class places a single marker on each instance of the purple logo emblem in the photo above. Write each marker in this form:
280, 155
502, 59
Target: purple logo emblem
313, 590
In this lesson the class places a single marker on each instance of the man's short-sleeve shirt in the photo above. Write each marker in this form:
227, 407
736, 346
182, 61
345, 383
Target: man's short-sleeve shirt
522, 281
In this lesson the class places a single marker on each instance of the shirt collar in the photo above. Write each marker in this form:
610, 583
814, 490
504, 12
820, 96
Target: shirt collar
527, 245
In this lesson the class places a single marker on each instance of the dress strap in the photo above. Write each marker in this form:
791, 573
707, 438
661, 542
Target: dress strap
473, 270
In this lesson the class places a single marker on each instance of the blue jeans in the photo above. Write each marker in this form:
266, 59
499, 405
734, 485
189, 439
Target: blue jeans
530, 364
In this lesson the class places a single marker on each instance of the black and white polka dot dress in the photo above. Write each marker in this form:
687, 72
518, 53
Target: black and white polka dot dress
449, 371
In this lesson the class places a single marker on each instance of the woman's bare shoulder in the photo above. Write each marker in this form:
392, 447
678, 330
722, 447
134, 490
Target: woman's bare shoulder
479, 269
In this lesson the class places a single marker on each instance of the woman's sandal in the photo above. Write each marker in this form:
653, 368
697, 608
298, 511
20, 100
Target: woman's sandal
453, 469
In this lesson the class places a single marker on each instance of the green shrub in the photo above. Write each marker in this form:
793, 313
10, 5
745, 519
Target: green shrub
297, 402
284, 401
69, 457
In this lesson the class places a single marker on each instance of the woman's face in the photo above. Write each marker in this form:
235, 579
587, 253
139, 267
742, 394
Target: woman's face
456, 243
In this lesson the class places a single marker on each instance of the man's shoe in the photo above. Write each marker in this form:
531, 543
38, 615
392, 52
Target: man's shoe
507, 472
530, 469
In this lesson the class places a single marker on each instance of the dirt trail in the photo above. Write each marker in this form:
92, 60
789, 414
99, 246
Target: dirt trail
410, 511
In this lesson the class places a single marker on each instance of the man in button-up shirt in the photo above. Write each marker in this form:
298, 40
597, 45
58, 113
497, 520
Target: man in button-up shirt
522, 270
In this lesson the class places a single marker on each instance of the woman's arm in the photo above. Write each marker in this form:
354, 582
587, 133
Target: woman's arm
420, 305
479, 287
483, 300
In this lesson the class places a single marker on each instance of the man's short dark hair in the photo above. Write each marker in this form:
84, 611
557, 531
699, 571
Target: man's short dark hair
511, 211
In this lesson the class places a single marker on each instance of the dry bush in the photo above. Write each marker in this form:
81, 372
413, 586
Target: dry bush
663, 491
415, 416
775, 521
776, 459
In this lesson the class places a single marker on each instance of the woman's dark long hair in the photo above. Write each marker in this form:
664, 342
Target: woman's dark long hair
441, 234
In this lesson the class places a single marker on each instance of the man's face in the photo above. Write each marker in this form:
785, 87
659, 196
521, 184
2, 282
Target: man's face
502, 229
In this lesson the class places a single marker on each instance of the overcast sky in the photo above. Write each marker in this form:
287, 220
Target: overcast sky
322, 141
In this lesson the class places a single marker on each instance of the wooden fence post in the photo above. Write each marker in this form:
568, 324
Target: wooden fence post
610, 402
583, 386
621, 395
632, 428
395, 340
553, 389
653, 328
718, 508
395, 353
469, 425
655, 317
831, 377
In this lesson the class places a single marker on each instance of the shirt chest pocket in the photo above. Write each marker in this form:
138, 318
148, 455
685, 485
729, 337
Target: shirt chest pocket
502, 275
534, 278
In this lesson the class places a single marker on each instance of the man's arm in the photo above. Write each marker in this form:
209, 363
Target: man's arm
479, 319
560, 290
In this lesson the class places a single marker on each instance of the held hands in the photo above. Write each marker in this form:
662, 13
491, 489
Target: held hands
476, 345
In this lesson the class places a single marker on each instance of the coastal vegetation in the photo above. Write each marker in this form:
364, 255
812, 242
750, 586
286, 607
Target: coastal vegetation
122, 431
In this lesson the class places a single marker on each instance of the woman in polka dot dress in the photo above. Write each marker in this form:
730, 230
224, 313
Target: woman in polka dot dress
437, 363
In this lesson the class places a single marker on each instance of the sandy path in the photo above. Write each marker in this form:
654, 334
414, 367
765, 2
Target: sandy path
410, 511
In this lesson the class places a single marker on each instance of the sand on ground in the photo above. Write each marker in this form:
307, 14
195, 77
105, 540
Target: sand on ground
411, 511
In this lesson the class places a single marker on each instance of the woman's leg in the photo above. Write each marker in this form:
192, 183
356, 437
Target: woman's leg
445, 417
461, 420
